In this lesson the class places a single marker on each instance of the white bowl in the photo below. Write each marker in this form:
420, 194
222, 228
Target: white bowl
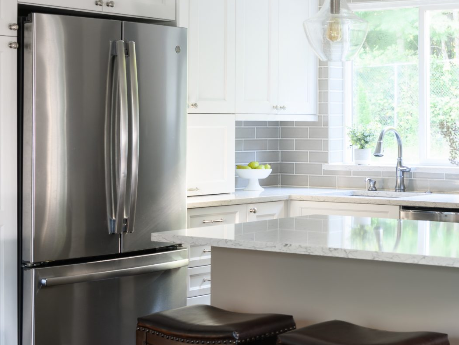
253, 175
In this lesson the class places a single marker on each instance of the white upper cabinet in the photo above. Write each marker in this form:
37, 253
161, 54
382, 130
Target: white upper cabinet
154, 9
83, 5
276, 70
159, 9
8, 18
210, 154
297, 62
257, 56
211, 56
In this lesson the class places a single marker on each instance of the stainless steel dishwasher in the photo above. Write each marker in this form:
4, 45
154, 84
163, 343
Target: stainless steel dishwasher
430, 214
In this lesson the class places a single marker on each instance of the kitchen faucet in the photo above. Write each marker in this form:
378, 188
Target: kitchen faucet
401, 169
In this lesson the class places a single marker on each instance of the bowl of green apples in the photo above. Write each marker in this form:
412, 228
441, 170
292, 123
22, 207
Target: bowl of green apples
253, 172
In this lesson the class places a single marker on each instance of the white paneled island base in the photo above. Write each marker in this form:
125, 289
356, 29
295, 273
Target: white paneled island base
381, 273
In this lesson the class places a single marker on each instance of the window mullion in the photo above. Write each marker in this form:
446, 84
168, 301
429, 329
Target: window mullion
424, 84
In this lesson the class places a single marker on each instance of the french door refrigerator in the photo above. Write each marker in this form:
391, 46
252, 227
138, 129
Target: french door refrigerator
104, 135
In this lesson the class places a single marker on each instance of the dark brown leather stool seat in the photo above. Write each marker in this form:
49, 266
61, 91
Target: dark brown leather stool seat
203, 324
344, 333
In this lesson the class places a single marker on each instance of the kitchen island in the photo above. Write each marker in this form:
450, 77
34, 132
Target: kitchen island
381, 273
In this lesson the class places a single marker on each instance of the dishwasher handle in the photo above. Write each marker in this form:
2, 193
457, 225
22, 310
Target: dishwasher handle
89, 277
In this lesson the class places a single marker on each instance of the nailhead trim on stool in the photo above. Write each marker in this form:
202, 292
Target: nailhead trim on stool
271, 334
208, 325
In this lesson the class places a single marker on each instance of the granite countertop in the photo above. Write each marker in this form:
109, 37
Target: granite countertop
391, 240
327, 195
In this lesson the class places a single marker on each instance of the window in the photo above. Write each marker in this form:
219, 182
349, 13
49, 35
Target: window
407, 76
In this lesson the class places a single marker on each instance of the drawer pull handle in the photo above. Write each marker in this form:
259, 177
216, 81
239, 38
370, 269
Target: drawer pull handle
212, 221
193, 189
206, 280
253, 210
206, 251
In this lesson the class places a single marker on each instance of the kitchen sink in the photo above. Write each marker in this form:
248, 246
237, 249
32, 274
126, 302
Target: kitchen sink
381, 194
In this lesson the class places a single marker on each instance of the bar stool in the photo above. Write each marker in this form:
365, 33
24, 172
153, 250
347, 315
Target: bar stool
203, 324
344, 333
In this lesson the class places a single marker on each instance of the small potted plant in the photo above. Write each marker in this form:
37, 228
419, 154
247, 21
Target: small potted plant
361, 139
450, 131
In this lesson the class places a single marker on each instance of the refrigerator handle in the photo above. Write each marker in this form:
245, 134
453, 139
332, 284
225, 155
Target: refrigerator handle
126, 272
134, 135
116, 138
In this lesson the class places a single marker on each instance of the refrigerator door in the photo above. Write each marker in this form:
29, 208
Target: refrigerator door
64, 200
99, 303
160, 58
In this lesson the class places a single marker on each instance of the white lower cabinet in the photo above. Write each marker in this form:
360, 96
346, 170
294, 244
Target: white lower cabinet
198, 281
208, 216
205, 299
306, 208
210, 154
265, 211
199, 269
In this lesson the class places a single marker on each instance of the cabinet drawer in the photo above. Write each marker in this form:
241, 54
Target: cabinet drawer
306, 208
198, 300
198, 282
199, 256
201, 217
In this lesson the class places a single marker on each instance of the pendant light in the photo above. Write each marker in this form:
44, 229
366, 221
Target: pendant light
336, 33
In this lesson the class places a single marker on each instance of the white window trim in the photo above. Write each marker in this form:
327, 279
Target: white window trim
424, 72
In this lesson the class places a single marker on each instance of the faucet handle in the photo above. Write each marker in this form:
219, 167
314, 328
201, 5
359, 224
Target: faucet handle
405, 169
371, 185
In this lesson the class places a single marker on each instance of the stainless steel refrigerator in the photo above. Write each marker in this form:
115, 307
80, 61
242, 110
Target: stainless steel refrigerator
104, 138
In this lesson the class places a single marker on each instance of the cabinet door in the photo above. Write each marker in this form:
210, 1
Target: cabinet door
212, 56
257, 51
265, 211
211, 154
85, 5
198, 281
306, 208
156, 9
8, 17
8, 193
297, 62
209, 216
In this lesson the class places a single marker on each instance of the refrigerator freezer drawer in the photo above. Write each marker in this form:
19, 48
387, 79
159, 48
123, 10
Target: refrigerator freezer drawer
99, 303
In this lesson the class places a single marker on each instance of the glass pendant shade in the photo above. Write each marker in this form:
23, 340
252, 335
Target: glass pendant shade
336, 33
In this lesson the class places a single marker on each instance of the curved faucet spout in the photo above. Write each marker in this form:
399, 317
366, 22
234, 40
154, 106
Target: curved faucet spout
401, 169
379, 151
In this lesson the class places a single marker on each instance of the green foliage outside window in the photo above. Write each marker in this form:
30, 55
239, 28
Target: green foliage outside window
386, 77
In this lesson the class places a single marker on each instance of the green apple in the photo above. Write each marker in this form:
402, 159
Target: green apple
260, 167
243, 167
254, 165
267, 166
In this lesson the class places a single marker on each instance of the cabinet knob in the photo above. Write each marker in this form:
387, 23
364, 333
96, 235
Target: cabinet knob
99, 3
110, 4
195, 189
283, 107
13, 45
194, 105
206, 280
14, 27
207, 251
253, 210
275, 107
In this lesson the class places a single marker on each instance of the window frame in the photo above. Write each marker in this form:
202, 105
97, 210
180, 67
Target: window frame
423, 7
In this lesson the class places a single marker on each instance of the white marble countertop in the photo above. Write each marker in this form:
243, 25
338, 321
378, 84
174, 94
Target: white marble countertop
391, 240
326, 195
